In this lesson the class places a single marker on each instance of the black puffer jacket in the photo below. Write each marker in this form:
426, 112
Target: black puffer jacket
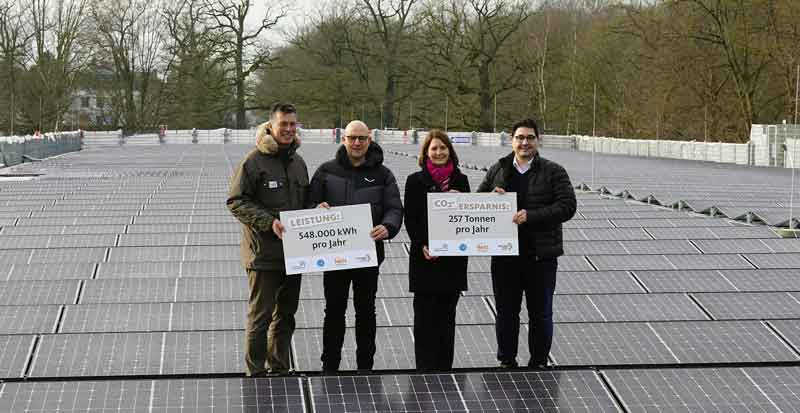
550, 202
339, 183
263, 186
444, 274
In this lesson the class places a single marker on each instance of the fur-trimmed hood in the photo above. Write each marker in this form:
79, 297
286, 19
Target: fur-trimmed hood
266, 144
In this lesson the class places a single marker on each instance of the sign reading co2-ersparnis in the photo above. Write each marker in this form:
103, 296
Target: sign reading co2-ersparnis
328, 239
472, 224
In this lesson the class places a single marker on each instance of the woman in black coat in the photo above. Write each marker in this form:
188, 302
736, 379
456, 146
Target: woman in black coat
436, 282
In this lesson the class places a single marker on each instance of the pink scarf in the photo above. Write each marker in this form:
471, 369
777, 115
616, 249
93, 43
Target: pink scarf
440, 174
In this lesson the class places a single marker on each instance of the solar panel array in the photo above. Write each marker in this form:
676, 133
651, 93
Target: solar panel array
122, 264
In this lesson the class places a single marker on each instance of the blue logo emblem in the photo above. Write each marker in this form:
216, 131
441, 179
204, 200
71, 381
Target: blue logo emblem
462, 247
320, 263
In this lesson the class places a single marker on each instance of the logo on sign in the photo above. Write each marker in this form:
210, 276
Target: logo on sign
462, 247
363, 258
340, 261
442, 248
320, 263
505, 247
482, 248
299, 265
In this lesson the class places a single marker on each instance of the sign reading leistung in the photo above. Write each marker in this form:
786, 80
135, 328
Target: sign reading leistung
328, 239
472, 224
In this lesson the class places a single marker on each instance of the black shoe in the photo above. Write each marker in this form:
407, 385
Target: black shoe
364, 371
278, 373
509, 364
258, 374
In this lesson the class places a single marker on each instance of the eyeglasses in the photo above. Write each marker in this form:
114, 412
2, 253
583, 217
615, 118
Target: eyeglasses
357, 138
529, 138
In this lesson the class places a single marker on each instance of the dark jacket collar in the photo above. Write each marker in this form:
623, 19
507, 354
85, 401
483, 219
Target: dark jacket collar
374, 157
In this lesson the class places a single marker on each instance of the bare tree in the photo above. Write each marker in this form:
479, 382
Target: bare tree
58, 55
128, 33
391, 21
243, 44
14, 44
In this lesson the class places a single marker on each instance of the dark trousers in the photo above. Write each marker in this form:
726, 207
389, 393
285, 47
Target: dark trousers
336, 285
434, 330
270, 320
511, 276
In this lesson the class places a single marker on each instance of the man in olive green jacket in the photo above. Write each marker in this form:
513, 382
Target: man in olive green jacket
271, 178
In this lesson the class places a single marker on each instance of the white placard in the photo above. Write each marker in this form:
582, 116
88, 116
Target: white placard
328, 239
472, 224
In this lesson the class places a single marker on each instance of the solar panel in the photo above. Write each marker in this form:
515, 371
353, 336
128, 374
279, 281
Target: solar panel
213, 238
385, 393
774, 261
75, 396
127, 254
82, 241
26, 241
60, 271
647, 307
93, 229
629, 262
38, 292
138, 269
395, 349
211, 252
107, 354
389, 286
217, 315
572, 391
695, 233
659, 247
595, 282
311, 314
152, 239
684, 281
593, 248
764, 280
28, 319
708, 262
749, 306
60, 255
130, 290
687, 390
112, 318
15, 354
723, 342
741, 246
212, 289
394, 266
759, 231
479, 284
470, 310
476, 346
206, 352
779, 384
219, 268
789, 330
278, 394
573, 263
615, 234
608, 344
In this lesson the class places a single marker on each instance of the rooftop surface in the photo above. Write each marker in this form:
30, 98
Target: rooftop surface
121, 290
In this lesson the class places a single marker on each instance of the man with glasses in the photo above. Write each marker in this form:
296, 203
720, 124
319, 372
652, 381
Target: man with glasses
545, 200
356, 176
272, 178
